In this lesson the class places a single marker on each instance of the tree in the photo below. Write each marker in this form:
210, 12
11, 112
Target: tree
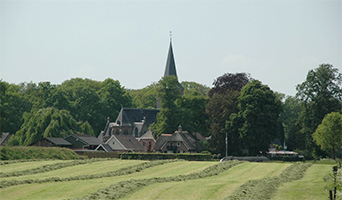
145, 98
13, 104
113, 98
328, 134
222, 103
47, 122
195, 88
259, 111
168, 119
289, 117
192, 113
320, 94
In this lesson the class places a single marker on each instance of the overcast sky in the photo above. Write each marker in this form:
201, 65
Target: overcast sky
277, 42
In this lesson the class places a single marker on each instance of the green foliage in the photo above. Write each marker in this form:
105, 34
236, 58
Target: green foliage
193, 116
169, 116
320, 94
47, 122
289, 117
13, 104
257, 119
328, 134
144, 98
221, 105
266, 187
15, 153
194, 88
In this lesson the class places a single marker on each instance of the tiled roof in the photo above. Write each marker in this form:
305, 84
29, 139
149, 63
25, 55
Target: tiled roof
128, 116
183, 136
129, 142
88, 139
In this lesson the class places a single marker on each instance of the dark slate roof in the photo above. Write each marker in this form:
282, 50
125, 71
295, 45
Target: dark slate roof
183, 136
128, 116
58, 141
104, 147
87, 139
170, 68
129, 142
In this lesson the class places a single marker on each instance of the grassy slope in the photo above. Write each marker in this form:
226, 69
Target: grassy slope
310, 187
216, 187
75, 189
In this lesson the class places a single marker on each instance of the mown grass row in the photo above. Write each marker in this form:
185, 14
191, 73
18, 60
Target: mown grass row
122, 171
266, 187
50, 167
123, 188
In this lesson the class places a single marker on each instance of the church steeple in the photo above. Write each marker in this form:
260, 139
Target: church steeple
170, 68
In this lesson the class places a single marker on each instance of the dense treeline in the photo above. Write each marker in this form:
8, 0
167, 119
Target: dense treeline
238, 110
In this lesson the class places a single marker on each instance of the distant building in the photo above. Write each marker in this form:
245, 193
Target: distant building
122, 143
147, 141
130, 121
52, 142
83, 142
178, 142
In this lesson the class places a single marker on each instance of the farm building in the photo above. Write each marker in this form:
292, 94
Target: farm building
178, 142
52, 142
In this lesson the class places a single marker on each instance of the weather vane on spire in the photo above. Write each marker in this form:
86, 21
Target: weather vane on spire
170, 36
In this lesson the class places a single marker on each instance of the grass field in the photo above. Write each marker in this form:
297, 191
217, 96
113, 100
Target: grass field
219, 186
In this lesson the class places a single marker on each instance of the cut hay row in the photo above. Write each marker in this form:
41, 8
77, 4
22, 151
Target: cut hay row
123, 188
266, 187
122, 171
49, 167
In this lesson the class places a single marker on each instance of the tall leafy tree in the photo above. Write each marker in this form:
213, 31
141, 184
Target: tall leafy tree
113, 98
192, 113
145, 98
13, 104
289, 117
328, 134
223, 101
320, 94
168, 119
259, 111
47, 122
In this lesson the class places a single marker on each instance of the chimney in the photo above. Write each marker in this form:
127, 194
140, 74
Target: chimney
179, 129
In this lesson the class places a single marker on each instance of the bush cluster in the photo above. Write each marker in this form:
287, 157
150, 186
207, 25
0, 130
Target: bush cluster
265, 188
162, 156
31, 152
50, 167
123, 188
120, 172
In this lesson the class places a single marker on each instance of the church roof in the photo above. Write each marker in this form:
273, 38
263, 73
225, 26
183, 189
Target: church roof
170, 68
129, 116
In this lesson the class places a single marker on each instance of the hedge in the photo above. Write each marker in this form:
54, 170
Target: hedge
167, 156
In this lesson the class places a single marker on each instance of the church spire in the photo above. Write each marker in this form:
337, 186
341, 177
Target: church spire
170, 68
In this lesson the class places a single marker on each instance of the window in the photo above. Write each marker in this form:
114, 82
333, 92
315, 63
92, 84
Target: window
144, 143
117, 132
113, 142
178, 144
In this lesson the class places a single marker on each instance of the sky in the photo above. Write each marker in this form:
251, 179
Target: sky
276, 42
